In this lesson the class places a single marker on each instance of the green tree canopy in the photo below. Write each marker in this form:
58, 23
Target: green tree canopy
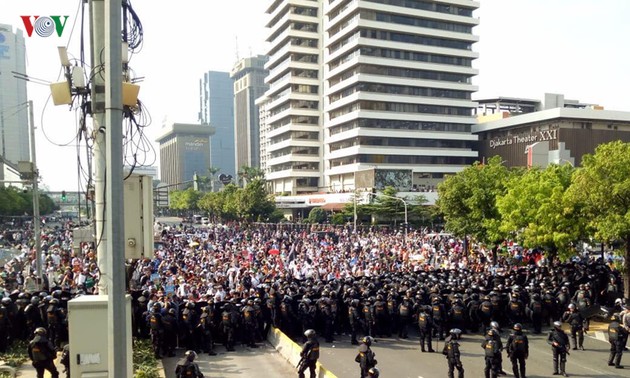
254, 203
247, 173
251, 203
601, 189
468, 200
536, 212
184, 199
317, 215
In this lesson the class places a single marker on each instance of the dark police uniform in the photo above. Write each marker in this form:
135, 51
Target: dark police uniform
42, 352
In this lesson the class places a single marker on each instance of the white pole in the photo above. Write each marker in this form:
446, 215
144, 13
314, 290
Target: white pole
97, 9
36, 216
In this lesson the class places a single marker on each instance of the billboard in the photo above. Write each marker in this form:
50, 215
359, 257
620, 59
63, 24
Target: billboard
401, 179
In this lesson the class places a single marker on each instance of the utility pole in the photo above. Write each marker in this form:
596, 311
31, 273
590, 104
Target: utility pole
97, 14
115, 274
36, 216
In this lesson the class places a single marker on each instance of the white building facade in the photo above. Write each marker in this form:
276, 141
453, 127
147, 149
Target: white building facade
369, 94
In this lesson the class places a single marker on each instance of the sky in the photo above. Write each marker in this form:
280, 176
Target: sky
527, 48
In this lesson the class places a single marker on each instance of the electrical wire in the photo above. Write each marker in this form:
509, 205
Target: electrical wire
134, 35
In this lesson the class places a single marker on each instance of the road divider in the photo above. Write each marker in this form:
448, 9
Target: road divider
290, 350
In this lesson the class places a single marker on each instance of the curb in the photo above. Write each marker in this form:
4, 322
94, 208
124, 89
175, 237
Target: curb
291, 351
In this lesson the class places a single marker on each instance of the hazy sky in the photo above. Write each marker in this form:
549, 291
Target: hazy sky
527, 47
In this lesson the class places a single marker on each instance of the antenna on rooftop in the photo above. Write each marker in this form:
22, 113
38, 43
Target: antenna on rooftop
236, 43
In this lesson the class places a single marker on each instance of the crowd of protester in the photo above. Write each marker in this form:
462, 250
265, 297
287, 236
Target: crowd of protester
230, 283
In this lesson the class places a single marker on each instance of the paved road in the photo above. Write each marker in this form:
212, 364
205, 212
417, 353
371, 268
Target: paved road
403, 359
245, 362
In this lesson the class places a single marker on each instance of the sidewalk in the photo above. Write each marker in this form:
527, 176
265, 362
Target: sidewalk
28, 371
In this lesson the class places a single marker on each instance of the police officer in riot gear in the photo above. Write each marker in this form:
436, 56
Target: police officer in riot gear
491, 349
5, 325
169, 324
42, 352
354, 320
189, 323
617, 337
228, 323
518, 350
452, 353
206, 326
404, 317
187, 367
536, 309
309, 354
249, 323
156, 329
56, 321
497, 337
559, 342
425, 325
366, 358
33, 316
438, 313
576, 321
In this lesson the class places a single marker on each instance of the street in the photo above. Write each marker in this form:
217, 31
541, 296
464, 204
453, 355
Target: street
403, 359
245, 362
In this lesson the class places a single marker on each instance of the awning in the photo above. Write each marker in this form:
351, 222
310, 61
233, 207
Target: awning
334, 206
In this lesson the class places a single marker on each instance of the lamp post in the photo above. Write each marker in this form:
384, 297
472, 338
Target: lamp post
392, 197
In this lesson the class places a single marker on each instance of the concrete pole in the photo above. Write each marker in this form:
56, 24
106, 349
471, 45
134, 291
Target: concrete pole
97, 15
116, 300
36, 216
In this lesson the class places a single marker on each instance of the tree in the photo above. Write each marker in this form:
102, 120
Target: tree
387, 207
254, 203
601, 190
184, 199
222, 205
468, 200
317, 215
12, 202
246, 173
537, 212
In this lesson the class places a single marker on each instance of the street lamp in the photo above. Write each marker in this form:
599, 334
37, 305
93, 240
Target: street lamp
382, 195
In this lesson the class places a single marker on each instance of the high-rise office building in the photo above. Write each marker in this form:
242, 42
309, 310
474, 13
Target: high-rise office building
14, 132
184, 151
249, 84
368, 93
216, 108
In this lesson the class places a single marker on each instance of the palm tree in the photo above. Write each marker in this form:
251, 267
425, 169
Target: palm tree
246, 173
